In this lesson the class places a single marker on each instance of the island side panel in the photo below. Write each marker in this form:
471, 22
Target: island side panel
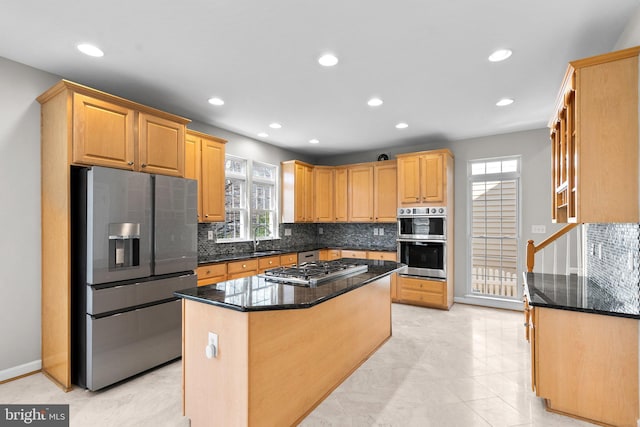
297, 357
215, 392
588, 365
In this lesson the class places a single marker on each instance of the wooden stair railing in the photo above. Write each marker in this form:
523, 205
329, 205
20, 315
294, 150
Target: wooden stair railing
533, 249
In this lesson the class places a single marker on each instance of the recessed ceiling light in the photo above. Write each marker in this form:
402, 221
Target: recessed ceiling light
328, 60
500, 55
504, 102
375, 102
314, 141
216, 101
402, 126
263, 135
91, 50
275, 125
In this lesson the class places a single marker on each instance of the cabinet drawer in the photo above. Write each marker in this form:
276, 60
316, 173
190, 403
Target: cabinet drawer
421, 297
211, 270
268, 262
288, 259
249, 265
408, 283
384, 256
334, 254
212, 280
354, 254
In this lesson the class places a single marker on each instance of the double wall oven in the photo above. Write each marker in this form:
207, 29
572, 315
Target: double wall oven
422, 241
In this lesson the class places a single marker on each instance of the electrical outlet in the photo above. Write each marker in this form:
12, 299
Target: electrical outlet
320, 230
381, 233
630, 261
538, 229
210, 234
375, 231
287, 232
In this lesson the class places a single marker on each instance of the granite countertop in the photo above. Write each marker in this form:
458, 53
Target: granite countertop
255, 293
576, 293
210, 259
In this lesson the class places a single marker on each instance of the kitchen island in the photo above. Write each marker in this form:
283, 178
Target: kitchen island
584, 348
282, 348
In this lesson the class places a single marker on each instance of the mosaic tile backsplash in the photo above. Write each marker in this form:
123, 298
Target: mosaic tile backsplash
333, 235
613, 259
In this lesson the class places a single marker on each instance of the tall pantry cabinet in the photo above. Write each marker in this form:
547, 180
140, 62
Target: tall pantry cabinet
82, 126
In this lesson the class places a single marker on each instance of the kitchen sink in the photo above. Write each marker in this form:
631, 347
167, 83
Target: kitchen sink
263, 253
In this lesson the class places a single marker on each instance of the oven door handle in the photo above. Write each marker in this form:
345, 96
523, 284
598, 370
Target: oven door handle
444, 242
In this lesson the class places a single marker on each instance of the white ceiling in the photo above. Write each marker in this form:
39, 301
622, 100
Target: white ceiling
426, 59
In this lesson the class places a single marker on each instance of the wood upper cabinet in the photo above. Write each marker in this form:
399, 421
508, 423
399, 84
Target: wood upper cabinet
323, 189
204, 162
297, 191
423, 177
341, 194
594, 141
113, 132
103, 133
385, 191
360, 191
160, 145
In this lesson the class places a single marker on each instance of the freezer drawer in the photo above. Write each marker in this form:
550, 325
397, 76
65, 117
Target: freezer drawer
126, 344
103, 298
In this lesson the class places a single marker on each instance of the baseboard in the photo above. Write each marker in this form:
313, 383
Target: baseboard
490, 302
20, 370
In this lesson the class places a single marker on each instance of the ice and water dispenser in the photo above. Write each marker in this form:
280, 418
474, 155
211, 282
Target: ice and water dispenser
124, 245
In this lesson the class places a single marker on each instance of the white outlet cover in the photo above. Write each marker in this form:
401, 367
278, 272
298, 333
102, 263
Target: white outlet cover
375, 231
287, 232
381, 231
210, 234
320, 230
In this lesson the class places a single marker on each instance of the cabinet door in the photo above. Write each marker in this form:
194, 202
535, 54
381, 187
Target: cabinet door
303, 199
192, 162
308, 194
432, 178
360, 184
160, 145
103, 133
212, 180
323, 194
386, 191
340, 195
408, 180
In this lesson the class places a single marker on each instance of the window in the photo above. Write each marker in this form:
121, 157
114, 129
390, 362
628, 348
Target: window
250, 201
494, 227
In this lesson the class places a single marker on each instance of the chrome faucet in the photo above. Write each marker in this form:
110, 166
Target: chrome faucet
255, 235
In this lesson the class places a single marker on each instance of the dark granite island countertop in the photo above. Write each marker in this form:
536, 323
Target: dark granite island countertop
576, 293
255, 293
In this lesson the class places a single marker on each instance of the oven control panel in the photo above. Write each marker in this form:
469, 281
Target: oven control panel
433, 211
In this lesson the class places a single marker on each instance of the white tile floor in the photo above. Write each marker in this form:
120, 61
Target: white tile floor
465, 367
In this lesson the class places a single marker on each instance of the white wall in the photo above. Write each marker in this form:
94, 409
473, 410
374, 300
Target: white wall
630, 37
20, 216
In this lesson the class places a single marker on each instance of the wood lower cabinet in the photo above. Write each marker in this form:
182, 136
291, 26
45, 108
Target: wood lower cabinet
212, 273
382, 255
205, 162
287, 260
265, 263
348, 253
594, 141
586, 365
424, 177
245, 268
430, 293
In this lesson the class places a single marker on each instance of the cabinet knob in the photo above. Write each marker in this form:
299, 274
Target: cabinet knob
244, 265
206, 216
144, 165
130, 163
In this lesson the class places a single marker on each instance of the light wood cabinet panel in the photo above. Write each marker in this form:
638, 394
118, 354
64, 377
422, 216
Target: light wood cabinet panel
385, 191
341, 195
211, 273
360, 186
586, 365
204, 161
346, 253
103, 133
425, 178
287, 260
381, 255
430, 293
323, 194
266, 263
330, 254
245, 268
297, 192
160, 145
594, 141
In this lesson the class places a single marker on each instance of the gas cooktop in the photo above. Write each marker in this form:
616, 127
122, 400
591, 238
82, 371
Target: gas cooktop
310, 274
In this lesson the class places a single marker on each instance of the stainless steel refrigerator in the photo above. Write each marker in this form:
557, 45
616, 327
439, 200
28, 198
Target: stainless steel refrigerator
134, 242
